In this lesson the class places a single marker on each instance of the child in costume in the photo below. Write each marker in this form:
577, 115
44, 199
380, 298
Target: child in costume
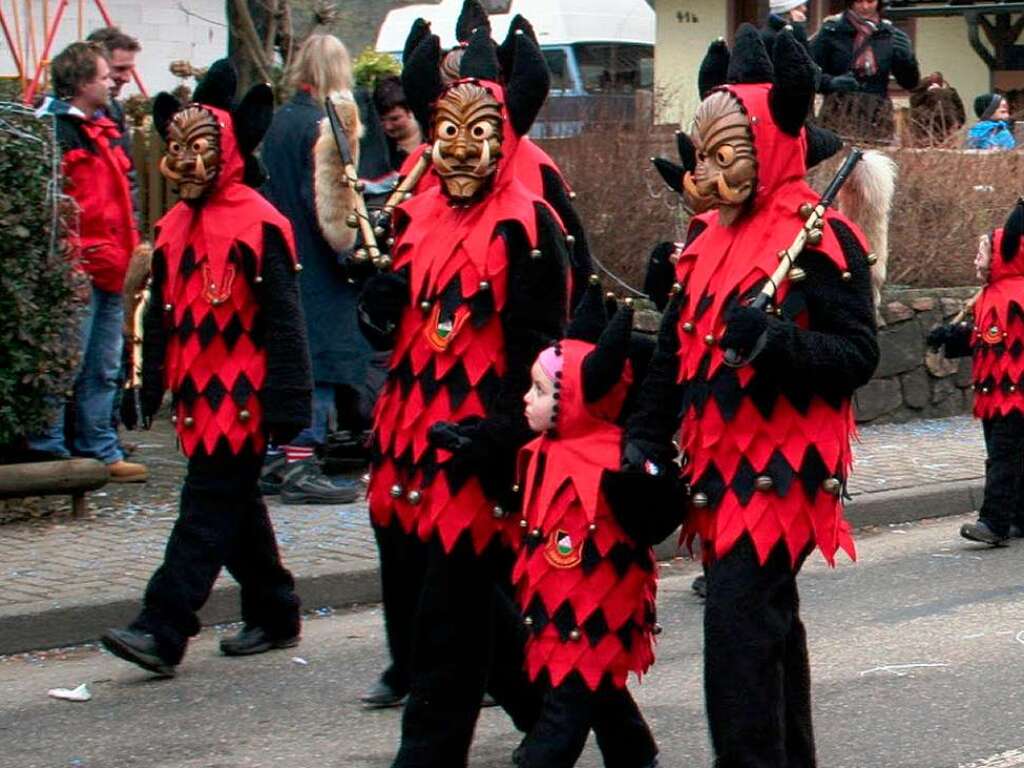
766, 445
586, 588
993, 333
224, 332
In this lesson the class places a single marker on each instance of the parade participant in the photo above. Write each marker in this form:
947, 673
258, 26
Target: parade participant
479, 287
992, 330
766, 445
586, 588
224, 332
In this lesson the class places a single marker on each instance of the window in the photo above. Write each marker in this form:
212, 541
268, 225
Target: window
558, 65
612, 68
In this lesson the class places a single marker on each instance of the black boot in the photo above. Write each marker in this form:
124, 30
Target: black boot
382, 695
983, 532
139, 648
252, 640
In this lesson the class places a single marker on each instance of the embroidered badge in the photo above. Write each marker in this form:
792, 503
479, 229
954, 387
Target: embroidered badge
214, 292
992, 335
440, 333
561, 551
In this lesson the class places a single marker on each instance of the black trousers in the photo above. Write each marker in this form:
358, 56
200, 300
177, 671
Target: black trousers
468, 637
571, 710
757, 681
222, 522
1004, 472
403, 561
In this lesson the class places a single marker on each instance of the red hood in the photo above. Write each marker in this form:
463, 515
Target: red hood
1000, 268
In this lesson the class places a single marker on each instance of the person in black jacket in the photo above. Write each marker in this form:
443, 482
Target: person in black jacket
857, 51
782, 14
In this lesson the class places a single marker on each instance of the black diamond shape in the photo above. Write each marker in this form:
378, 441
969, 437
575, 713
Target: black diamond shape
457, 384
712, 484
1016, 348
743, 481
1015, 310
429, 466
187, 327
812, 472
481, 307
621, 557
451, 297
215, 392
703, 306
595, 627
207, 330
531, 542
188, 392
233, 331
429, 384
762, 393
242, 390
794, 304
725, 388
799, 394
591, 556
780, 472
402, 373
625, 634
564, 620
650, 613
188, 262
538, 614
489, 388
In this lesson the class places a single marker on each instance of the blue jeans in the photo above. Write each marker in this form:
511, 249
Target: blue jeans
323, 414
95, 386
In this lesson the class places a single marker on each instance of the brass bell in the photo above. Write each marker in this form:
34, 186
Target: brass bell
805, 210
485, 285
700, 500
709, 339
628, 301
174, 419
676, 289
570, 240
522, 523
407, 196
258, 279
814, 237
535, 254
390, 241
189, 421
764, 483
298, 267
688, 326
395, 491
168, 307
572, 195
528, 621
656, 629
872, 259
498, 512
382, 262
819, 224
425, 306
796, 274
610, 295
831, 486
379, 231
574, 634
594, 279
244, 416
414, 497
515, 488
592, 527
847, 276
536, 533
352, 220
360, 254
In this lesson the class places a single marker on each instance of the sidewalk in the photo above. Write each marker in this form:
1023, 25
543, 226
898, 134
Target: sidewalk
65, 581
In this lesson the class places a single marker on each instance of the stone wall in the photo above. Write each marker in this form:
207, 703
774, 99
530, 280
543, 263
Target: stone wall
913, 382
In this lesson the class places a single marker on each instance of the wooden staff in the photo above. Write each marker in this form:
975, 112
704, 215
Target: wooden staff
810, 232
402, 191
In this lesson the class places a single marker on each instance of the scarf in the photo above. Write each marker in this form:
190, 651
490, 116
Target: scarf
864, 63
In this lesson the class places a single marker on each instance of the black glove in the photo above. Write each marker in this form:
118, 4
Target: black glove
647, 507
901, 45
661, 274
744, 327
454, 437
150, 399
843, 84
939, 335
381, 303
477, 453
281, 434
646, 456
129, 407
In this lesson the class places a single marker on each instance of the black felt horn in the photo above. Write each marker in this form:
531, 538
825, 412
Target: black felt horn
506, 51
419, 31
602, 368
1012, 231
164, 107
472, 17
749, 62
421, 78
218, 86
793, 83
714, 68
481, 57
590, 316
528, 83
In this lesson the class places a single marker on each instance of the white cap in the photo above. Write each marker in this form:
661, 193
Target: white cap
781, 6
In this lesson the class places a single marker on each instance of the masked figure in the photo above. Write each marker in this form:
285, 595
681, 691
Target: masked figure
224, 333
765, 446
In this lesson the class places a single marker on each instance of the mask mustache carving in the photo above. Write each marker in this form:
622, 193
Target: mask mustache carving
711, 193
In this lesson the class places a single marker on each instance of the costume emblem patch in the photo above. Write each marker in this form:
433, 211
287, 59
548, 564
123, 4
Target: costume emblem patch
561, 551
992, 335
440, 333
214, 292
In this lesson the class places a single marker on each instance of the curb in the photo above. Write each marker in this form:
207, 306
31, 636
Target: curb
63, 625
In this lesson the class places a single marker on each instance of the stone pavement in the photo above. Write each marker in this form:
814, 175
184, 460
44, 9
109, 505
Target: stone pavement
65, 580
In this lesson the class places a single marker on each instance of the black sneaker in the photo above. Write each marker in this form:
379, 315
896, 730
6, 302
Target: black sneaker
272, 474
981, 531
345, 451
1017, 530
305, 483
700, 586
138, 648
252, 640
382, 696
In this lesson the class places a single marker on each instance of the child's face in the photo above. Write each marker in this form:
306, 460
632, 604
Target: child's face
983, 258
540, 400
1002, 111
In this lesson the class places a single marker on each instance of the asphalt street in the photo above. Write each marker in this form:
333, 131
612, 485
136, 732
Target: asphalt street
917, 661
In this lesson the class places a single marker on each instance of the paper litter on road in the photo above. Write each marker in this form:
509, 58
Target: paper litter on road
300, 660
81, 693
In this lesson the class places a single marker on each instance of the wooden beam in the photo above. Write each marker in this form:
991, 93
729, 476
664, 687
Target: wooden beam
46, 478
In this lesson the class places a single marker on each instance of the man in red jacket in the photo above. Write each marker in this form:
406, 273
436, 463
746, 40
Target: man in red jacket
95, 170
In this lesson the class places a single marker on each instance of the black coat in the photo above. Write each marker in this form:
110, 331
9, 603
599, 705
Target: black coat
775, 24
832, 50
339, 352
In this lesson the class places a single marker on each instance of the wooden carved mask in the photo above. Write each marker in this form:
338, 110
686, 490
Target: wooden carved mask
726, 171
467, 133
192, 160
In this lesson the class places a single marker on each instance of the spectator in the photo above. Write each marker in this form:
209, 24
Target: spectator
936, 111
857, 51
992, 131
339, 352
782, 13
93, 165
397, 120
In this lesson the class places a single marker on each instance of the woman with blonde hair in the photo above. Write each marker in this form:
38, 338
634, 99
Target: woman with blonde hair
321, 68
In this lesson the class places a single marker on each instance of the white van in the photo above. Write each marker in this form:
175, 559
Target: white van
600, 53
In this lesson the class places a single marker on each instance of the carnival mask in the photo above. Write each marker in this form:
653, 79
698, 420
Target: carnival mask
726, 169
192, 161
467, 134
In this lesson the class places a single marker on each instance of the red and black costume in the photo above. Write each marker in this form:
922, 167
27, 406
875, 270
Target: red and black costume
586, 588
995, 339
766, 447
224, 332
478, 288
